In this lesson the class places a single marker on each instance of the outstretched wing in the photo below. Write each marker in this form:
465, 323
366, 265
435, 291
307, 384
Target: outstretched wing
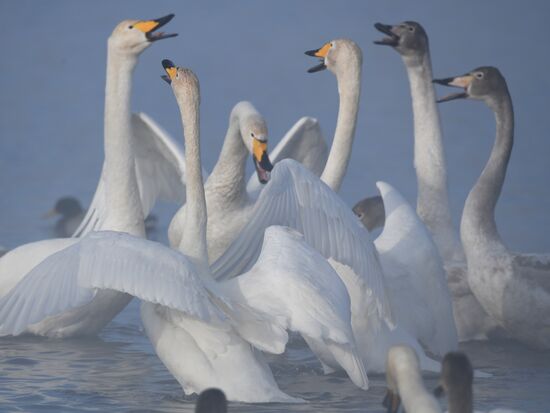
296, 198
160, 172
304, 143
106, 260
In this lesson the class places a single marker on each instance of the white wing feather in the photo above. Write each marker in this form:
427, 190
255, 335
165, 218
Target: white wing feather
296, 198
160, 172
107, 260
304, 143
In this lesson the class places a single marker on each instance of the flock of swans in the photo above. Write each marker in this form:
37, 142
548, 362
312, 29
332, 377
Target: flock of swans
251, 260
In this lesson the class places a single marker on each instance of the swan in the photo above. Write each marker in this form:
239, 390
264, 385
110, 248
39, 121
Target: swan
513, 288
294, 197
211, 401
128, 40
202, 330
416, 280
71, 213
370, 212
410, 40
456, 382
405, 384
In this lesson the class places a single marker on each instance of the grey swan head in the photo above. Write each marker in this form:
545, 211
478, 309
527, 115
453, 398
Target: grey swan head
370, 212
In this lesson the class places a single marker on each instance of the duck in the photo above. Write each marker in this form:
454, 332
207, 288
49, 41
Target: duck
127, 41
513, 288
206, 333
410, 40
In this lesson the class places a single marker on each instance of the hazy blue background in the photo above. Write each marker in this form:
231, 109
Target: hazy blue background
53, 72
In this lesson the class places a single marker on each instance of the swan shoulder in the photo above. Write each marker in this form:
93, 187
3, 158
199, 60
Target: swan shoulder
296, 198
304, 143
71, 277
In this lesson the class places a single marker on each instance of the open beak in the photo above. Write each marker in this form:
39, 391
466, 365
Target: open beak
322, 54
149, 27
261, 160
459, 81
391, 402
170, 69
391, 40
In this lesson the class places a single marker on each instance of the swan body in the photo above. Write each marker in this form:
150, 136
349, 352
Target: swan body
512, 288
417, 283
410, 40
405, 383
129, 39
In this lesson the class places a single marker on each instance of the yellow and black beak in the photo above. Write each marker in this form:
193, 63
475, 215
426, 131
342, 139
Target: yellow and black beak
149, 26
321, 53
391, 402
261, 160
459, 81
171, 70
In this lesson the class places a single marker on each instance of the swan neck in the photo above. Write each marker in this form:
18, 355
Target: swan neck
411, 390
429, 158
193, 243
349, 90
228, 177
478, 218
121, 188
460, 400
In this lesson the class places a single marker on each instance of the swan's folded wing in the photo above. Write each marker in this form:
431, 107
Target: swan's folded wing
304, 143
107, 260
296, 198
160, 172
415, 274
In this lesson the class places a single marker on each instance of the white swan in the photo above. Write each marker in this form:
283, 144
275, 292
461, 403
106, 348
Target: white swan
405, 384
416, 280
456, 383
513, 288
128, 40
198, 327
410, 40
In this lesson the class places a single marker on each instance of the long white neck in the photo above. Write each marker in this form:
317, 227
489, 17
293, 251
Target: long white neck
429, 159
478, 226
193, 242
122, 194
227, 180
349, 90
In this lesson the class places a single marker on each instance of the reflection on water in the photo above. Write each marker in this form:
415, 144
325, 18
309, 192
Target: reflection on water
120, 372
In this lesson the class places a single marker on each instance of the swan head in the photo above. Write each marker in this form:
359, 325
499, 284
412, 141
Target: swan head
456, 380
408, 38
337, 56
184, 82
370, 212
484, 83
134, 36
66, 206
254, 134
211, 401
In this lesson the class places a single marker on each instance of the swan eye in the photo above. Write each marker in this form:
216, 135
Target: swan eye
411, 29
252, 134
479, 75
130, 27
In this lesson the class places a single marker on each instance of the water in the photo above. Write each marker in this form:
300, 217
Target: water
52, 82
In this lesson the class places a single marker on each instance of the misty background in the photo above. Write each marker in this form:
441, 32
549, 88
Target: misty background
53, 76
